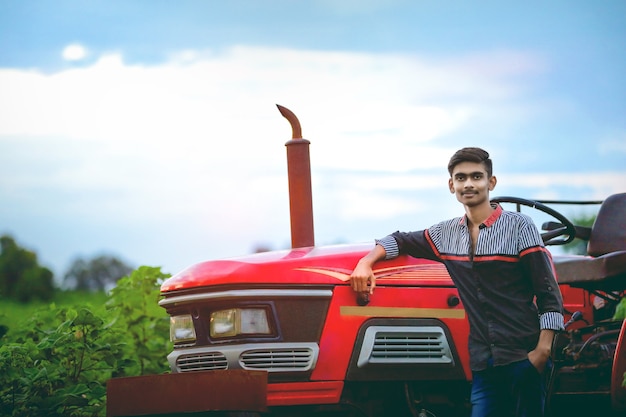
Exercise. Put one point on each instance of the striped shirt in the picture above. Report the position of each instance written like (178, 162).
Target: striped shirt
(507, 286)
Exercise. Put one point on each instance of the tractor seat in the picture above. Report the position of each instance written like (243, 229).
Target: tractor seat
(605, 266)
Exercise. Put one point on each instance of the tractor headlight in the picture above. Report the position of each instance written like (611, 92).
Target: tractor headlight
(237, 321)
(181, 329)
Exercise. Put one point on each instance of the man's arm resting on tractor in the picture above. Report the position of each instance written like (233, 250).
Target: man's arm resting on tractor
(363, 275)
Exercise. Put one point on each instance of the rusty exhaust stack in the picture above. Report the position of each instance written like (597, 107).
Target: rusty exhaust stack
(299, 174)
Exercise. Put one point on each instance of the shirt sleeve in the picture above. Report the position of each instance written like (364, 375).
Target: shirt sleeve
(551, 320)
(416, 244)
(538, 263)
(390, 245)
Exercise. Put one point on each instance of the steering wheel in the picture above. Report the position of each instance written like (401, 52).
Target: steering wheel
(551, 237)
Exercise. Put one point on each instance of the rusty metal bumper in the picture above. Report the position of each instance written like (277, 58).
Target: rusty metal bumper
(224, 390)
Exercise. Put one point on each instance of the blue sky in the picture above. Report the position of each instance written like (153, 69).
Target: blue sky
(148, 129)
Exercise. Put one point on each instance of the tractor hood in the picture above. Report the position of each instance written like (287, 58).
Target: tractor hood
(328, 265)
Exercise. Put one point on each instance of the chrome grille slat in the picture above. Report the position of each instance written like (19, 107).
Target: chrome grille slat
(407, 346)
(277, 359)
(202, 362)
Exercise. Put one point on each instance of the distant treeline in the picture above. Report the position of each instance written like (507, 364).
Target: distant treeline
(22, 278)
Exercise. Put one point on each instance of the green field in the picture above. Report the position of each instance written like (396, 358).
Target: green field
(14, 314)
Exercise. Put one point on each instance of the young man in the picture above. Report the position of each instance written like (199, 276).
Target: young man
(506, 282)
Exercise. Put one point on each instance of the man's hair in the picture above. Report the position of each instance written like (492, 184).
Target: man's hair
(477, 155)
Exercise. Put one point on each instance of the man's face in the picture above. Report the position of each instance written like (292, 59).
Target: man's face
(470, 183)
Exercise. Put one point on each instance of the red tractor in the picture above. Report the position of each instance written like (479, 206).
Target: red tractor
(283, 334)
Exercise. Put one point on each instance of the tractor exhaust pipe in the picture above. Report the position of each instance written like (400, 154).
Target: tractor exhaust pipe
(299, 175)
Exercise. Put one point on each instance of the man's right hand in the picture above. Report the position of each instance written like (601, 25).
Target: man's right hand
(362, 278)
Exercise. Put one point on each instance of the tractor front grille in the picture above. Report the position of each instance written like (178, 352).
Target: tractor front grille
(277, 360)
(208, 361)
(404, 345)
(271, 357)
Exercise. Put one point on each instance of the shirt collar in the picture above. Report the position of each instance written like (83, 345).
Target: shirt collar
(495, 215)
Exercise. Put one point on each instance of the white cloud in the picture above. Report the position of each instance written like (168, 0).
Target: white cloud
(75, 52)
(208, 109)
(198, 141)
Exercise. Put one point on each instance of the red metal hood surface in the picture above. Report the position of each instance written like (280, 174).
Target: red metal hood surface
(327, 265)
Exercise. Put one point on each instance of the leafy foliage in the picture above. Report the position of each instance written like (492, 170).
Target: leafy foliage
(133, 303)
(620, 310)
(57, 363)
